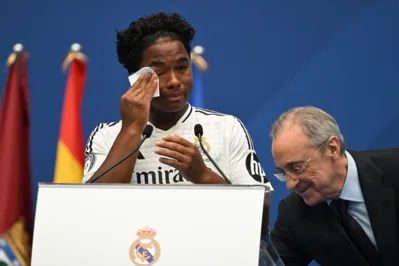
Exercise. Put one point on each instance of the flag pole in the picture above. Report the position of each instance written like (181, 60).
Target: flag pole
(199, 65)
(197, 59)
(74, 53)
(17, 49)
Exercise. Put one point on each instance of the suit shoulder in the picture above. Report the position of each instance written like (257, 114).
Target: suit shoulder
(382, 153)
(385, 160)
(293, 199)
(291, 205)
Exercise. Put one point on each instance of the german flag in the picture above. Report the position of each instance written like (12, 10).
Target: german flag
(70, 150)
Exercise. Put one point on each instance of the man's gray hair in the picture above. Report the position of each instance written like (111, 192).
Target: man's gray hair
(315, 123)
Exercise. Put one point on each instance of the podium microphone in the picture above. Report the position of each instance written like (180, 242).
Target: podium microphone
(146, 134)
(198, 131)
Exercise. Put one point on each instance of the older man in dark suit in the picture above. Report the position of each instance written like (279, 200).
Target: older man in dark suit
(345, 205)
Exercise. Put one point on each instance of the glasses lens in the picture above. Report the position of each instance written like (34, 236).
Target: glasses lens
(280, 176)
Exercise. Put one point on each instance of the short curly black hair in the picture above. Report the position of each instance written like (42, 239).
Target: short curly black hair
(145, 31)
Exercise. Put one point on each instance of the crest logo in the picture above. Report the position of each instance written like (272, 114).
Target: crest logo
(89, 162)
(145, 250)
(254, 168)
(204, 143)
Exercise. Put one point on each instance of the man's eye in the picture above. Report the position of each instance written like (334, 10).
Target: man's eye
(296, 170)
(181, 67)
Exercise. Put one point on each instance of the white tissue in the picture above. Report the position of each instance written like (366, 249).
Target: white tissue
(133, 78)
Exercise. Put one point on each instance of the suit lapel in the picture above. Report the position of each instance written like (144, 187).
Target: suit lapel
(320, 232)
(380, 204)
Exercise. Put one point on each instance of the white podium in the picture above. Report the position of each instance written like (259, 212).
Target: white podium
(167, 225)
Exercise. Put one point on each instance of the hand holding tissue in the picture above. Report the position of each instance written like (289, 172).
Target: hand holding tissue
(133, 78)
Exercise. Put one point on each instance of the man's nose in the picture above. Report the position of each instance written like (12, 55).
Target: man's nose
(173, 81)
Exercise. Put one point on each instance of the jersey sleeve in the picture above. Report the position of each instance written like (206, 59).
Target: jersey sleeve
(97, 148)
(244, 163)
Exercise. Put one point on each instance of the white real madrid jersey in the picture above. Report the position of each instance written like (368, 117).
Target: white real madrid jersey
(225, 138)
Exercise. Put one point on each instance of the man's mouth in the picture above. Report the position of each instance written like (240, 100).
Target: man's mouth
(174, 97)
(302, 187)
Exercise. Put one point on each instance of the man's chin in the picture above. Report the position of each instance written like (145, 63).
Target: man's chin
(312, 200)
(170, 107)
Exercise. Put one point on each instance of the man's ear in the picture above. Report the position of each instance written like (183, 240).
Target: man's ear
(334, 147)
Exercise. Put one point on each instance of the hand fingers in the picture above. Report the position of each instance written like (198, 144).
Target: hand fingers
(151, 87)
(179, 140)
(171, 145)
(171, 154)
(135, 87)
(171, 162)
(139, 88)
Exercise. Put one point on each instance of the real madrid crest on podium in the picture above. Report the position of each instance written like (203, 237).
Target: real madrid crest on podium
(145, 250)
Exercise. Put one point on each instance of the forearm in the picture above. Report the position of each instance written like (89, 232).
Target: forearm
(125, 142)
(210, 177)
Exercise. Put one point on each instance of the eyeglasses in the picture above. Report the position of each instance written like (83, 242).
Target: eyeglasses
(294, 171)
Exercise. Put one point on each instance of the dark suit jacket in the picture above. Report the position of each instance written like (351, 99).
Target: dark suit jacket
(303, 233)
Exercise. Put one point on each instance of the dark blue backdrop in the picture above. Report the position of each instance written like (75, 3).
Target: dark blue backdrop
(264, 56)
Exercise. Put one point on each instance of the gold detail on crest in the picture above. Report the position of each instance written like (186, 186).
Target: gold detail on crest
(145, 250)
(204, 143)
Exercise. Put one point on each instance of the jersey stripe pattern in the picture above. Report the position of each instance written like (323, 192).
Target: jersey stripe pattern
(225, 138)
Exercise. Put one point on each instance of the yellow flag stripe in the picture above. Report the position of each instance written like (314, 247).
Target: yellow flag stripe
(67, 168)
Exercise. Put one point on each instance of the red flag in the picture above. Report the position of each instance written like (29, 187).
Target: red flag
(16, 222)
(70, 155)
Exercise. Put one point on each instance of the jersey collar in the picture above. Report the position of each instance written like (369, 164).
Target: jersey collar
(182, 119)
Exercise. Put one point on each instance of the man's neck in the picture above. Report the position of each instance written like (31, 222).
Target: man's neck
(342, 173)
(340, 176)
(165, 120)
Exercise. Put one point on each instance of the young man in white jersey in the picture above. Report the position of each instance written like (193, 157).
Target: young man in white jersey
(171, 155)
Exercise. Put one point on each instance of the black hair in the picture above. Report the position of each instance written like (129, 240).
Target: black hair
(145, 31)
